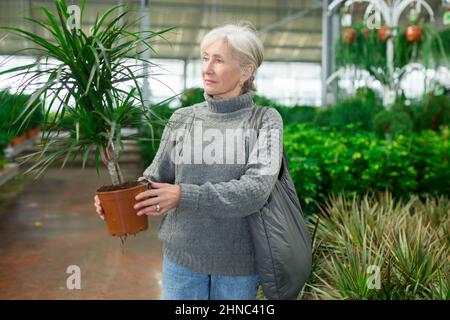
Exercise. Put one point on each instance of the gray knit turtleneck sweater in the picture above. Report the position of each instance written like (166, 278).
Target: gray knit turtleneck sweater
(208, 231)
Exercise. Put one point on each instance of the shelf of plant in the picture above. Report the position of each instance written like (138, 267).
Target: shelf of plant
(9, 172)
(11, 152)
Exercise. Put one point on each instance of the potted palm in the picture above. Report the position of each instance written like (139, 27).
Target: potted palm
(85, 80)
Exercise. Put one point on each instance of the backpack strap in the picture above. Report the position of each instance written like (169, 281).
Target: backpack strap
(255, 122)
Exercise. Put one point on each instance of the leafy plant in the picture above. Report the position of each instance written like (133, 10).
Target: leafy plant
(90, 68)
(11, 106)
(392, 122)
(432, 113)
(150, 136)
(375, 247)
(430, 50)
(359, 110)
(191, 96)
(323, 161)
(4, 140)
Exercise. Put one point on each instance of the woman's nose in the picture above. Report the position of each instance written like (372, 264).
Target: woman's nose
(207, 67)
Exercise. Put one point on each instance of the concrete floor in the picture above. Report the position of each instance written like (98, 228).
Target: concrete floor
(52, 225)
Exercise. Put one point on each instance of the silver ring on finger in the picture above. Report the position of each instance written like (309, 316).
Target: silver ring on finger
(158, 208)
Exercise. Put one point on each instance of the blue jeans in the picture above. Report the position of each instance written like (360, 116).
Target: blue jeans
(180, 283)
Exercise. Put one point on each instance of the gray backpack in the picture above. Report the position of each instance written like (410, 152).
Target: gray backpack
(280, 237)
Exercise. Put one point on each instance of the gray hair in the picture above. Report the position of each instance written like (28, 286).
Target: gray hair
(247, 48)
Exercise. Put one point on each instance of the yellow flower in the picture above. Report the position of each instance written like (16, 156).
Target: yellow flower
(356, 155)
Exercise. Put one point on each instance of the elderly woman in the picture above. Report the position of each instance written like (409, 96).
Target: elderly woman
(207, 247)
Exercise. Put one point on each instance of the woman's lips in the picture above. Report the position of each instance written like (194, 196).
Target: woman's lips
(209, 82)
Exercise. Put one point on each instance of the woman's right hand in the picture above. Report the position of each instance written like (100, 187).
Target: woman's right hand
(98, 207)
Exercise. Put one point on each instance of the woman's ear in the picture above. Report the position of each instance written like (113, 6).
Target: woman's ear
(248, 72)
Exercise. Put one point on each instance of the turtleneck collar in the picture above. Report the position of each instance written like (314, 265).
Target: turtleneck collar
(229, 105)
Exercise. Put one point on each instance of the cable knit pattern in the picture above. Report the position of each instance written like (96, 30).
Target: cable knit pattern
(208, 231)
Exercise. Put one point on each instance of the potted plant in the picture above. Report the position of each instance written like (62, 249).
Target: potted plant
(89, 68)
(348, 35)
(413, 33)
(383, 33)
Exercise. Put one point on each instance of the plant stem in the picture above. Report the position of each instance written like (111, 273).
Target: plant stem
(113, 168)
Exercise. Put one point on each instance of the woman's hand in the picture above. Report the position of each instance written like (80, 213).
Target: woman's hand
(165, 194)
(98, 207)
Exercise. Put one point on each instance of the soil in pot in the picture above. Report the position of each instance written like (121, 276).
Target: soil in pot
(117, 203)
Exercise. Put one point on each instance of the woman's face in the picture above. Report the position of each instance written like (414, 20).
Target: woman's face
(221, 73)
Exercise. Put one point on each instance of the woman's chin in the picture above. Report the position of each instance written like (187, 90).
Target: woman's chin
(210, 92)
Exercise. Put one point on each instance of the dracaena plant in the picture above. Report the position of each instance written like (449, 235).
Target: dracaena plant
(84, 76)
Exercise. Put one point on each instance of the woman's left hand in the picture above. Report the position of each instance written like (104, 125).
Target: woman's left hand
(165, 194)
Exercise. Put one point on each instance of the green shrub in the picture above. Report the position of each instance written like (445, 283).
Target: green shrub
(359, 110)
(323, 161)
(432, 113)
(430, 155)
(297, 114)
(11, 106)
(392, 122)
(5, 138)
(264, 101)
(191, 97)
(151, 135)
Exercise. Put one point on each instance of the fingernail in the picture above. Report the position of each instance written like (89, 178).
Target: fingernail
(139, 213)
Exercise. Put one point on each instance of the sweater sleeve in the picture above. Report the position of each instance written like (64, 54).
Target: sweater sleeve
(248, 194)
(162, 168)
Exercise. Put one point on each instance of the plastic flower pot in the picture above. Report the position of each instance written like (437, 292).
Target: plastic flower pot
(120, 216)
(413, 33)
(383, 33)
(348, 35)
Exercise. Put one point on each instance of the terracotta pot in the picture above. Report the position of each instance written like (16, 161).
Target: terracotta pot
(19, 140)
(32, 133)
(120, 216)
(36, 132)
(348, 35)
(413, 33)
(383, 33)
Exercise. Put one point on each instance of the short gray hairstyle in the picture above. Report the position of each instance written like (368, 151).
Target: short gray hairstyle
(247, 48)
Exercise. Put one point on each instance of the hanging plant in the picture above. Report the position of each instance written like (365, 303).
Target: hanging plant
(383, 33)
(348, 35)
(413, 33)
(429, 50)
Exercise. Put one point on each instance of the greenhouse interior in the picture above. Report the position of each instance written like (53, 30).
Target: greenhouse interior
(359, 88)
